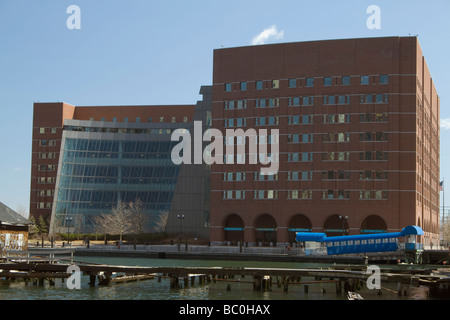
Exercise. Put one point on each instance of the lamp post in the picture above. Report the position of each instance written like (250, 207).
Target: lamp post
(344, 219)
(181, 218)
(68, 219)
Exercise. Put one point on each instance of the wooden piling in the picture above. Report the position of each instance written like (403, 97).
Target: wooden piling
(173, 281)
(257, 283)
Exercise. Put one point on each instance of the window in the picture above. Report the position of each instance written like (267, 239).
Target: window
(138, 119)
(243, 86)
(265, 194)
(161, 119)
(299, 194)
(327, 81)
(174, 119)
(294, 101)
(310, 82)
(329, 100)
(185, 119)
(275, 84)
(344, 99)
(307, 156)
(125, 119)
(149, 119)
(384, 79)
(364, 80)
(292, 83)
(227, 87)
(346, 80)
(259, 85)
(308, 101)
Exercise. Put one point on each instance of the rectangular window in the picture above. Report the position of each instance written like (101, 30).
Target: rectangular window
(344, 99)
(292, 83)
(295, 101)
(41, 130)
(308, 101)
(364, 80)
(227, 87)
(275, 84)
(306, 156)
(259, 85)
(310, 82)
(329, 100)
(327, 81)
(346, 80)
(384, 79)
(244, 86)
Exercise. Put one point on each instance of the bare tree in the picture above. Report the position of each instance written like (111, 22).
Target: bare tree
(161, 221)
(139, 220)
(117, 222)
(446, 232)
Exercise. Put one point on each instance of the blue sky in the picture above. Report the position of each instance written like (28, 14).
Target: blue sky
(161, 52)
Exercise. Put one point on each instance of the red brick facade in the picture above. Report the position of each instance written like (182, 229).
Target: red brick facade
(359, 139)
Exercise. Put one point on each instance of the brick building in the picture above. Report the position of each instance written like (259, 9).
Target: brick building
(358, 124)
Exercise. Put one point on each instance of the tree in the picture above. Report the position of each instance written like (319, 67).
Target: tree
(446, 232)
(139, 220)
(161, 221)
(118, 222)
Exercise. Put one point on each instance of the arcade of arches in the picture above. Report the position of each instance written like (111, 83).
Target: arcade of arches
(265, 230)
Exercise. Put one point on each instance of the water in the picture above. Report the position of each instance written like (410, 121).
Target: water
(154, 290)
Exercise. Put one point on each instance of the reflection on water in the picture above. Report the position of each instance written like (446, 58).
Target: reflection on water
(239, 289)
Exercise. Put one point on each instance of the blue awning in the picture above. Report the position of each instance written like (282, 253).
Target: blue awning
(310, 236)
(412, 230)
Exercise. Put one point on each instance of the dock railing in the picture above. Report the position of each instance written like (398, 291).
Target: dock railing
(40, 256)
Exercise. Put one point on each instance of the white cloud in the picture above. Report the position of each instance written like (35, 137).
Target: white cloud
(445, 124)
(268, 34)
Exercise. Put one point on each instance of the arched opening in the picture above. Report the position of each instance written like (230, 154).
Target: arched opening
(298, 223)
(234, 229)
(336, 225)
(266, 230)
(373, 224)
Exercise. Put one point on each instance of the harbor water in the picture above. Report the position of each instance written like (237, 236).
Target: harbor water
(240, 288)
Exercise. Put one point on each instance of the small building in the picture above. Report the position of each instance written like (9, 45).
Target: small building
(13, 230)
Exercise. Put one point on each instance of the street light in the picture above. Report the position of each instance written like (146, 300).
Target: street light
(344, 219)
(181, 218)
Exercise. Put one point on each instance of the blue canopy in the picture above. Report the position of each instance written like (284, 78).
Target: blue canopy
(412, 230)
(310, 236)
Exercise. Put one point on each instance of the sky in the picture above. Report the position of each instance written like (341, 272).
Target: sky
(142, 52)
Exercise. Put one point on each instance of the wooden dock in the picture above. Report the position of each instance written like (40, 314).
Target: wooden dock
(345, 278)
(40, 265)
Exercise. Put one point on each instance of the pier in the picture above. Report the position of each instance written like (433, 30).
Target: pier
(344, 277)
